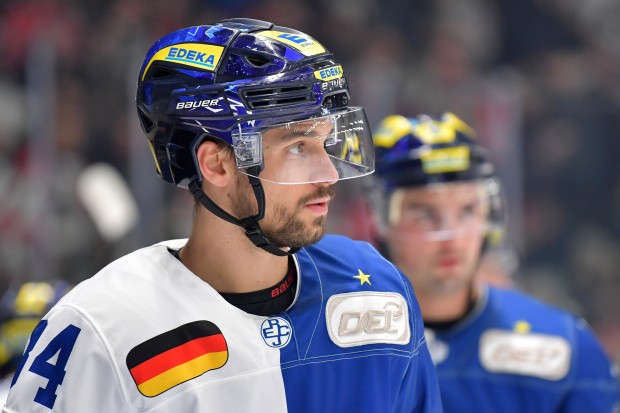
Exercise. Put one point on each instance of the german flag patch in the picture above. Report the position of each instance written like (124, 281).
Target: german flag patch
(176, 356)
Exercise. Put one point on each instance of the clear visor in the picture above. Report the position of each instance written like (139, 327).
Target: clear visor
(441, 212)
(325, 149)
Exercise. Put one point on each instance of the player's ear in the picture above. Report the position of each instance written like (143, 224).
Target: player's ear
(215, 162)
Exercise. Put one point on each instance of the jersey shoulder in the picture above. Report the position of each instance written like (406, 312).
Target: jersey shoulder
(561, 343)
(126, 275)
(354, 278)
(147, 284)
(528, 316)
(513, 303)
(352, 264)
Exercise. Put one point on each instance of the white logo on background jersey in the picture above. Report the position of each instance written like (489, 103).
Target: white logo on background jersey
(538, 355)
(355, 319)
(438, 349)
(276, 332)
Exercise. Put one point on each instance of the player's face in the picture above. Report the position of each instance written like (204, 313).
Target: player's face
(295, 214)
(436, 234)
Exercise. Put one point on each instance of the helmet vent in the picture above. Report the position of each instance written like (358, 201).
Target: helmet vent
(162, 73)
(278, 97)
(147, 123)
(257, 60)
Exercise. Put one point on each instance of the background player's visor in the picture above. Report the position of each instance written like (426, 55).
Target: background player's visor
(441, 212)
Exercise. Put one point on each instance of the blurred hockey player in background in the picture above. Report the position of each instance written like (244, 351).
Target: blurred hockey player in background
(496, 349)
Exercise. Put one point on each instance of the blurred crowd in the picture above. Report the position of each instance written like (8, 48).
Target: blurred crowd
(538, 80)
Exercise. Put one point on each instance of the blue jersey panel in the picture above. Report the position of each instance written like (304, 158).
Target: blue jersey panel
(364, 362)
(517, 354)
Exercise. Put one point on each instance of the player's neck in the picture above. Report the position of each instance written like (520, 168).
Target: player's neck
(443, 307)
(220, 254)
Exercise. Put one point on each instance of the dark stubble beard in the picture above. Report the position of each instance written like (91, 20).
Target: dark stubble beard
(282, 227)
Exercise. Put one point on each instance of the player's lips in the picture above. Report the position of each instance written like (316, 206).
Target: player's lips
(448, 262)
(318, 206)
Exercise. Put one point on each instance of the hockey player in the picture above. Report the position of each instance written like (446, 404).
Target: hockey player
(256, 311)
(496, 350)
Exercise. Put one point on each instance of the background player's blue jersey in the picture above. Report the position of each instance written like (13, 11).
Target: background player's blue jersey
(514, 353)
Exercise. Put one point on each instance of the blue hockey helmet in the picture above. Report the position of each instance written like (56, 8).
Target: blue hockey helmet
(235, 79)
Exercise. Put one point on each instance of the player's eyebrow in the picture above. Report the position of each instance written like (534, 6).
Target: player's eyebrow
(418, 204)
(312, 133)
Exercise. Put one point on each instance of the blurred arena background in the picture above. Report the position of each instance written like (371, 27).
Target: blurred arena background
(538, 79)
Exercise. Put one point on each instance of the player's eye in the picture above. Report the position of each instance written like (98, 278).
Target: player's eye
(296, 149)
(419, 215)
(469, 211)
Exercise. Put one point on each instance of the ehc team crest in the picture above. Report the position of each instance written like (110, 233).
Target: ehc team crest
(276, 332)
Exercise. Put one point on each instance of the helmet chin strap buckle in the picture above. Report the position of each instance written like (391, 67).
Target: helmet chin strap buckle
(254, 233)
(256, 236)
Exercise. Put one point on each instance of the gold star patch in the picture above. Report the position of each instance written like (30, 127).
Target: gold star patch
(364, 278)
(522, 327)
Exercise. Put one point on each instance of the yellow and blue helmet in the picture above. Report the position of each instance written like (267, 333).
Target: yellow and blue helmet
(21, 308)
(426, 150)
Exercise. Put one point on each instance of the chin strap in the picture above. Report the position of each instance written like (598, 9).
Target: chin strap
(249, 224)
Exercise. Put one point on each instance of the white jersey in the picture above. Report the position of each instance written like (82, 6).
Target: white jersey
(147, 335)
(5, 385)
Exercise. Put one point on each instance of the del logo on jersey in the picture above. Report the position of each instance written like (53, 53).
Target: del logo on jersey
(355, 319)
